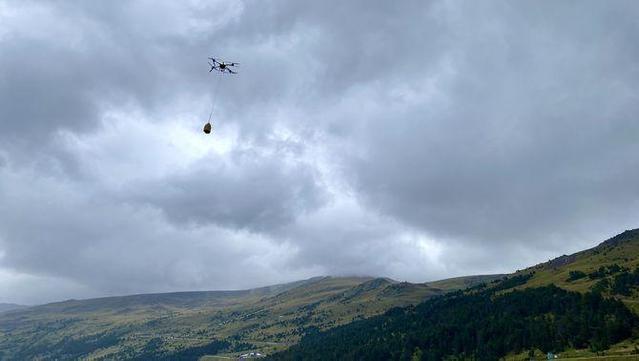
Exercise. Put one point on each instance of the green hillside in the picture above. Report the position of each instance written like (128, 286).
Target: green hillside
(459, 283)
(476, 325)
(582, 305)
(186, 324)
(10, 306)
(610, 263)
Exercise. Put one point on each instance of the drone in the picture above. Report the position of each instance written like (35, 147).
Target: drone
(222, 66)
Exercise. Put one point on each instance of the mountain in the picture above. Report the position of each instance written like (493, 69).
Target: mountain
(489, 316)
(459, 283)
(477, 325)
(580, 305)
(10, 306)
(185, 325)
(621, 250)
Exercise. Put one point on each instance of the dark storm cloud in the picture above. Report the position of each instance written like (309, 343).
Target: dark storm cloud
(538, 131)
(415, 139)
(65, 233)
(253, 191)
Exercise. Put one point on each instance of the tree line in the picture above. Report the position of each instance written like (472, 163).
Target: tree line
(477, 325)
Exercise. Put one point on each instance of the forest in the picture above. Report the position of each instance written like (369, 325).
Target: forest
(482, 324)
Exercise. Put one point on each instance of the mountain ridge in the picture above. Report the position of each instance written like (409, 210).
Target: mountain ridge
(271, 318)
(5, 307)
(584, 305)
(156, 326)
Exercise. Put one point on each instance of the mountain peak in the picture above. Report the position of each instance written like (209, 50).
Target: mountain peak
(10, 307)
(628, 235)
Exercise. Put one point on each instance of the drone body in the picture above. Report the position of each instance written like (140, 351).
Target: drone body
(222, 66)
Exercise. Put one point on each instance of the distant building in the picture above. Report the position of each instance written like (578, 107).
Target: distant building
(250, 355)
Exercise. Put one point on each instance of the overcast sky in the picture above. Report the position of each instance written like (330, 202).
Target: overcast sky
(416, 140)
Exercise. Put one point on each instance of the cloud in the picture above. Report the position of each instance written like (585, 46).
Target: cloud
(519, 141)
(415, 140)
(52, 228)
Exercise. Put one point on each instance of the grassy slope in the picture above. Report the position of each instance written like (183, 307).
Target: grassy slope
(622, 351)
(268, 318)
(273, 317)
(10, 307)
(459, 283)
(622, 250)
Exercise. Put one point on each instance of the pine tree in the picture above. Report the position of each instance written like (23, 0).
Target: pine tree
(417, 355)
